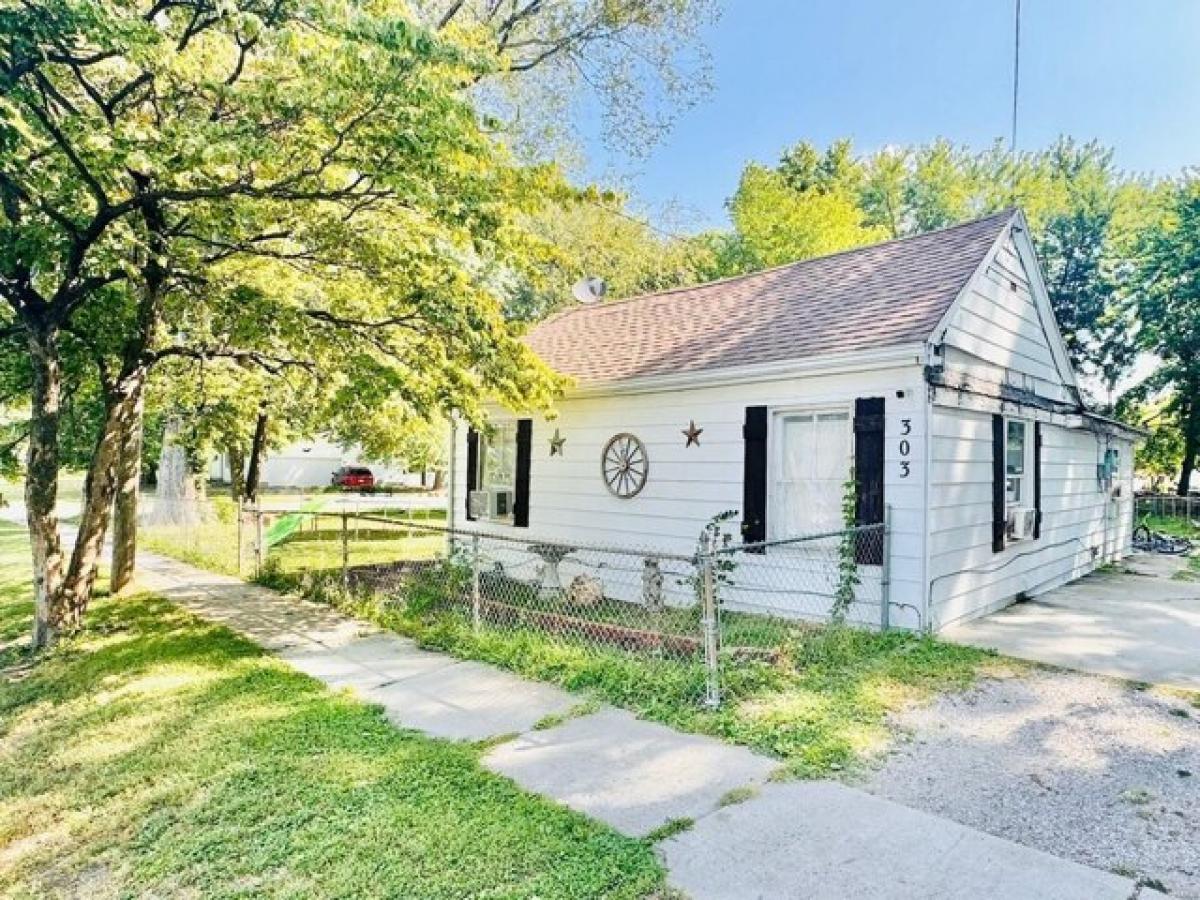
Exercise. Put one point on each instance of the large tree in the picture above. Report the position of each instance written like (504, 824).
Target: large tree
(1169, 313)
(637, 63)
(288, 185)
(808, 206)
(642, 61)
(594, 236)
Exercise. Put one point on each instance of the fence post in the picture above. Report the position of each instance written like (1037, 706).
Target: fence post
(260, 548)
(345, 551)
(476, 619)
(885, 583)
(240, 513)
(708, 597)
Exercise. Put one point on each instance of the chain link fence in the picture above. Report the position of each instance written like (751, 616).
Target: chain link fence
(694, 616)
(320, 533)
(213, 533)
(1169, 506)
(697, 614)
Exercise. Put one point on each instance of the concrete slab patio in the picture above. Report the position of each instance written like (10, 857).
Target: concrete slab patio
(811, 840)
(1138, 623)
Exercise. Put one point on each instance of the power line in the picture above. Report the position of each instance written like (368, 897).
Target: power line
(632, 218)
(1016, 75)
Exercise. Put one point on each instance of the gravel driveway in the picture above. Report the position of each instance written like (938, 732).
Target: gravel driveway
(1083, 767)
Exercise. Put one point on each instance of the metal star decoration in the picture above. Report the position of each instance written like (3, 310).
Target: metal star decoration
(556, 444)
(692, 433)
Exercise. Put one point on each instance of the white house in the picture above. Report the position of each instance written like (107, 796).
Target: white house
(311, 464)
(932, 364)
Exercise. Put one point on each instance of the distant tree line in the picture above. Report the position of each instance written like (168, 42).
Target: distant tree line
(1121, 254)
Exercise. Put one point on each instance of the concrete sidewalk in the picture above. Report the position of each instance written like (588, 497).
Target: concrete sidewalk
(803, 839)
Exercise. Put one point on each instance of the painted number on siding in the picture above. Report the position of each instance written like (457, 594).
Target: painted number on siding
(905, 448)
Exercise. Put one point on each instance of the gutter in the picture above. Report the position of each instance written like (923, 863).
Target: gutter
(935, 376)
(856, 361)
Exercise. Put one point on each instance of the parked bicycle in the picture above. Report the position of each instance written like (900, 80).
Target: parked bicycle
(1145, 538)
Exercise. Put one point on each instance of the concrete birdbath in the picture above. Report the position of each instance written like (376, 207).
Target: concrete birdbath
(551, 587)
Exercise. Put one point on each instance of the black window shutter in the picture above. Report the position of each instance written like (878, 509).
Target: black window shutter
(472, 467)
(999, 519)
(521, 501)
(868, 477)
(1037, 480)
(754, 476)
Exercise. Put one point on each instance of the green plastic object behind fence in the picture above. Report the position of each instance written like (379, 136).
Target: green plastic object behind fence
(286, 526)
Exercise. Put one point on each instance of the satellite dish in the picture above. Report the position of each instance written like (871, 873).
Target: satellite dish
(589, 290)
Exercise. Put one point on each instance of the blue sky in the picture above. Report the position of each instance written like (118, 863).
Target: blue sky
(1126, 72)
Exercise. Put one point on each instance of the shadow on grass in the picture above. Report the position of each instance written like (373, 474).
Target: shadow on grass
(173, 757)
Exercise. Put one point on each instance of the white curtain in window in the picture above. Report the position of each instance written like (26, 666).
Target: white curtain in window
(499, 459)
(814, 463)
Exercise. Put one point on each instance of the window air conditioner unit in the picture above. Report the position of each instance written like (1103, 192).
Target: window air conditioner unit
(1021, 522)
(500, 504)
(491, 504)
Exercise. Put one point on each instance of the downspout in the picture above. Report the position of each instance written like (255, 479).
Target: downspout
(926, 564)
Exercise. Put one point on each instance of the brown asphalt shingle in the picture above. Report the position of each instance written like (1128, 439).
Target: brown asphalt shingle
(873, 297)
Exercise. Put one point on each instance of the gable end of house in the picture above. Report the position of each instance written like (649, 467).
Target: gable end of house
(1000, 338)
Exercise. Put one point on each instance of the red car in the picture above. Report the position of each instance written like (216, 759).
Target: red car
(353, 478)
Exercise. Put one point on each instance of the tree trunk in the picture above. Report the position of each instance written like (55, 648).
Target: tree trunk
(125, 509)
(439, 479)
(237, 470)
(41, 487)
(1191, 441)
(177, 500)
(99, 490)
(258, 449)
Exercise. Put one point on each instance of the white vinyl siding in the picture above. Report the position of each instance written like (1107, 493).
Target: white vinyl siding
(996, 341)
(687, 486)
(1082, 527)
(996, 333)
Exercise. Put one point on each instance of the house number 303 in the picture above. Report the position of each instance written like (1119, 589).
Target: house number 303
(905, 448)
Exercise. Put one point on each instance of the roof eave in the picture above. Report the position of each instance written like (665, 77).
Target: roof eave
(905, 353)
(1132, 432)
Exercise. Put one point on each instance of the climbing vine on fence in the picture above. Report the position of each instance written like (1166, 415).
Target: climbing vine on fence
(713, 536)
(848, 578)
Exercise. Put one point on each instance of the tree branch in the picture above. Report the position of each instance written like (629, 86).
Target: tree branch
(274, 365)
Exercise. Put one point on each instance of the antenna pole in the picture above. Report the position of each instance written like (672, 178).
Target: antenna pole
(1016, 75)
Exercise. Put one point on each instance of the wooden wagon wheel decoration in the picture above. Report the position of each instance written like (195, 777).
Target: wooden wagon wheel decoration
(624, 465)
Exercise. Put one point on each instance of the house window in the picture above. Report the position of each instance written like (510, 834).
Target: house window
(1016, 463)
(497, 475)
(813, 452)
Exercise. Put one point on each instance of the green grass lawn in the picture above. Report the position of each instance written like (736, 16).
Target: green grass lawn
(316, 547)
(1173, 525)
(70, 487)
(155, 755)
(820, 704)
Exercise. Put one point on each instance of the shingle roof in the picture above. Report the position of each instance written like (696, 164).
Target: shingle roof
(873, 297)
